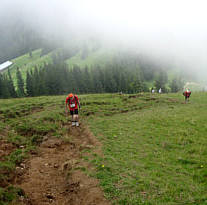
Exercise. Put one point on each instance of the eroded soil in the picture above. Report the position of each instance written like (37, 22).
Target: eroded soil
(5, 149)
(54, 176)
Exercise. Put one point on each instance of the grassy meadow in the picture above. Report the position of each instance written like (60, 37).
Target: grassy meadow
(156, 153)
(25, 63)
(154, 147)
(98, 57)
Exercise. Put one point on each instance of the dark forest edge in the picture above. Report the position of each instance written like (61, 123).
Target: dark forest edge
(56, 79)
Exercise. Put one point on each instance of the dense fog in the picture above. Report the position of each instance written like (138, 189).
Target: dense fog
(173, 31)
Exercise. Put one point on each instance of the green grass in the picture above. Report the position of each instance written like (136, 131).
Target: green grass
(25, 63)
(154, 146)
(155, 155)
(23, 123)
(100, 57)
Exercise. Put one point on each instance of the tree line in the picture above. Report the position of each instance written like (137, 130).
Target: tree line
(57, 79)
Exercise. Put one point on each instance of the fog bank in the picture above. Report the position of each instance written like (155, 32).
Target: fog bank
(170, 30)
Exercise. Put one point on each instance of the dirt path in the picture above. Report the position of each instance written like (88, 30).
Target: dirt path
(51, 178)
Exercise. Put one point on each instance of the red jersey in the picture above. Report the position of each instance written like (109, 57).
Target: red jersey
(187, 93)
(72, 103)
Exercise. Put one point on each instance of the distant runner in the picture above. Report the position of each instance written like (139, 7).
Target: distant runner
(160, 90)
(187, 94)
(72, 103)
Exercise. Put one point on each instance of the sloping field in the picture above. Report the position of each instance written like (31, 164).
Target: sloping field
(155, 155)
(37, 145)
(129, 149)
(99, 57)
(25, 62)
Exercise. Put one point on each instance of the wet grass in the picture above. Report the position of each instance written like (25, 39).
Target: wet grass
(155, 154)
(23, 124)
(154, 146)
(25, 63)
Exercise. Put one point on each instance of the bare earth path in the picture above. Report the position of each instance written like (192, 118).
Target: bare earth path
(51, 177)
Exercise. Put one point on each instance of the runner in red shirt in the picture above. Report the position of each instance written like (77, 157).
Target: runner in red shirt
(72, 103)
(187, 94)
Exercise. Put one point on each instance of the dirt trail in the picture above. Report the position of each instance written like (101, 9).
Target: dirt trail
(51, 177)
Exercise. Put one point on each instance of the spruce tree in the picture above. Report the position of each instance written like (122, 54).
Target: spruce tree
(176, 84)
(137, 85)
(4, 87)
(1, 86)
(71, 83)
(30, 54)
(97, 82)
(35, 82)
(20, 84)
(11, 86)
(122, 83)
(42, 87)
(161, 81)
(109, 81)
(87, 80)
(29, 85)
(77, 75)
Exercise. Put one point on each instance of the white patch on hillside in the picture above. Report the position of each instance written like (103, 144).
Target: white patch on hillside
(5, 65)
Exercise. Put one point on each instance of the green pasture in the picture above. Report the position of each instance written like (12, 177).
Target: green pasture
(94, 58)
(156, 154)
(154, 147)
(26, 63)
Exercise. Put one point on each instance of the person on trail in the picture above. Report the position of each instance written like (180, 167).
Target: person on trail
(187, 94)
(152, 90)
(72, 103)
(160, 90)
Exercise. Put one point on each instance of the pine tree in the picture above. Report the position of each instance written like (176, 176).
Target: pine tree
(161, 81)
(29, 85)
(109, 81)
(1, 86)
(176, 85)
(11, 86)
(42, 86)
(4, 87)
(97, 80)
(35, 82)
(71, 82)
(87, 81)
(77, 75)
(20, 84)
(137, 86)
(123, 86)
(30, 54)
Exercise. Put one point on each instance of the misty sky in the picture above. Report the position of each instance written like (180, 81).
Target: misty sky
(174, 29)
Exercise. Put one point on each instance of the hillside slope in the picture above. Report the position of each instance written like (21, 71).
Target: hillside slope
(99, 57)
(145, 149)
(25, 63)
(93, 57)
